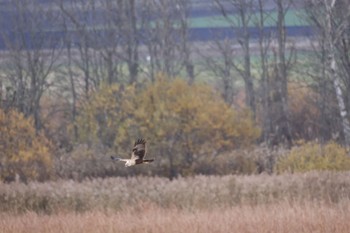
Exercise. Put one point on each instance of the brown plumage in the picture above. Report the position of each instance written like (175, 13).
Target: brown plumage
(137, 155)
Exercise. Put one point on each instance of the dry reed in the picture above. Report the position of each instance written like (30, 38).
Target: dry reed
(281, 217)
(192, 193)
(311, 202)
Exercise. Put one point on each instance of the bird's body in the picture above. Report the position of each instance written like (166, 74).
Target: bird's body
(137, 155)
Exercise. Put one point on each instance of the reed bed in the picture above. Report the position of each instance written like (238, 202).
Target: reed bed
(279, 218)
(192, 193)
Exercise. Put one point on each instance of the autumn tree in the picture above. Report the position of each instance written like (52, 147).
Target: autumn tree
(108, 117)
(182, 122)
(23, 151)
(190, 121)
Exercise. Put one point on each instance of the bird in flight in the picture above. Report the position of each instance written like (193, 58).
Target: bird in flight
(137, 155)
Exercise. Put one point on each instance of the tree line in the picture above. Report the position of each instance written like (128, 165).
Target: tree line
(291, 94)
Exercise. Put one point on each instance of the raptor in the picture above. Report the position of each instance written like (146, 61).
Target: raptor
(137, 155)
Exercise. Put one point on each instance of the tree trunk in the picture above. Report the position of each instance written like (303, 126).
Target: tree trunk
(265, 85)
(282, 129)
(249, 86)
(132, 43)
(331, 37)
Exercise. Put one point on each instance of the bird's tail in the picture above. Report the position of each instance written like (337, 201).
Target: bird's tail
(148, 160)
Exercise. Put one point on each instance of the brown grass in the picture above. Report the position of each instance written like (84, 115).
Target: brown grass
(310, 202)
(192, 193)
(282, 217)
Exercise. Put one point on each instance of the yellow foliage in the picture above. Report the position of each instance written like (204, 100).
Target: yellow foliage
(107, 115)
(195, 115)
(23, 151)
(190, 121)
(186, 121)
(313, 156)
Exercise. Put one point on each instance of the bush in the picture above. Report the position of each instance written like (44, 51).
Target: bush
(86, 162)
(313, 156)
(246, 161)
(23, 151)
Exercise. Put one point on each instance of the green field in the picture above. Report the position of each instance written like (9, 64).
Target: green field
(292, 18)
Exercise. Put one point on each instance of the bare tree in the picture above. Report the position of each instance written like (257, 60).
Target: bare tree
(106, 37)
(274, 65)
(183, 7)
(264, 47)
(281, 132)
(240, 23)
(332, 20)
(131, 38)
(32, 56)
(81, 40)
(69, 77)
(223, 68)
(164, 26)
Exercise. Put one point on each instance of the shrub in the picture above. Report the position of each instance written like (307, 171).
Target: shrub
(86, 162)
(246, 161)
(235, 162)
(23, 151)
(314, 156)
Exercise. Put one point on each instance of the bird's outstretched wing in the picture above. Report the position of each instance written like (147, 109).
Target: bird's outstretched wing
(116, 158)
(139, 150)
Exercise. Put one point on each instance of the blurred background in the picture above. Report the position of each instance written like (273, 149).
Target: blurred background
(215, 87)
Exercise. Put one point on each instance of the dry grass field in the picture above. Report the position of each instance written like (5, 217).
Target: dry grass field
(282, 217)
(311, 202)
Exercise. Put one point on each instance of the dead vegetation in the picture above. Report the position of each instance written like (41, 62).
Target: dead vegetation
(309, 202)
(280, 217)
(190, 193)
